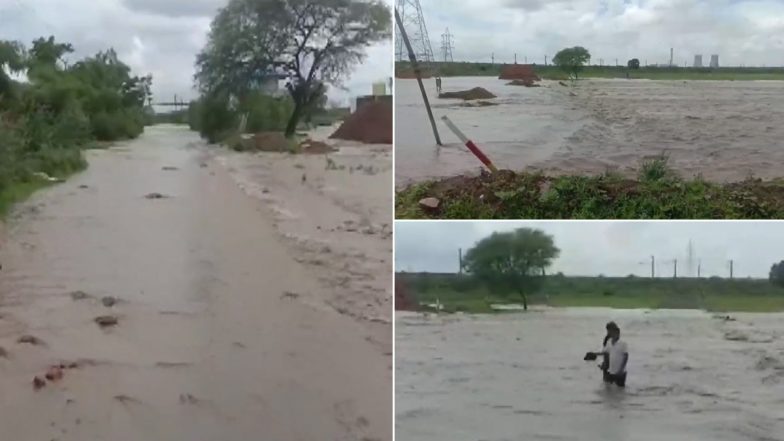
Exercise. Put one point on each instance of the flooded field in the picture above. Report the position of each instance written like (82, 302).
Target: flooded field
(724, 130)
(522, 376)
(226, 328)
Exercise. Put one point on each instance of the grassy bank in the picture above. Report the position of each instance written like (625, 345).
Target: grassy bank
(460, 69)
(60, 109)
(460, 293)
(657, 193)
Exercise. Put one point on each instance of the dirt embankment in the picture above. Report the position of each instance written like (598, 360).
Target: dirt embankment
(477, 93)
(370, 124)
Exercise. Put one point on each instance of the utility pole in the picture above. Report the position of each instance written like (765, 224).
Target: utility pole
(545, 60)
(515, 57)
(460, 260)
(732, 269)
(492, 57)
(653, 267)
(675, 274)
(699, 269)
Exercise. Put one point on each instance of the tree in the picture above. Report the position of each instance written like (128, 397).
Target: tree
(512, 261)
(571, 60)
(634, 63)
(776, 276)
(311, 44)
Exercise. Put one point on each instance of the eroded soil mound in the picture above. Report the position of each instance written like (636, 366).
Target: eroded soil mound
(270, 142)
(477, 93)
(370, 124)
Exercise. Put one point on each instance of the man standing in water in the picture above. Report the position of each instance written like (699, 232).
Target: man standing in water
(616, 355)
(438, 85)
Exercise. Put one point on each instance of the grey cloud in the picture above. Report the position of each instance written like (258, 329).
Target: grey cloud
(187, 8)
(153, 36)
(609, 248)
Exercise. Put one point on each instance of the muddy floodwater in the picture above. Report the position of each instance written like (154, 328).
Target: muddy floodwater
(227, 328)
(522, 376)
(724, 130)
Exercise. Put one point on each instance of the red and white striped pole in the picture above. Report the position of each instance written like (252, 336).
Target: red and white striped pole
(470, 144)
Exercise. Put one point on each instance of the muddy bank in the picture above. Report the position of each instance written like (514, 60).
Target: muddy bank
(522, 376)
(224, 331)
(725, 131)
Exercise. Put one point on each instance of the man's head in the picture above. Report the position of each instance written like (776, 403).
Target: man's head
(613, 331)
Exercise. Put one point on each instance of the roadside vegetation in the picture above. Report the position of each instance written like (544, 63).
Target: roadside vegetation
(656, 193)
(550, 72)
(255, 44)
(52, 108)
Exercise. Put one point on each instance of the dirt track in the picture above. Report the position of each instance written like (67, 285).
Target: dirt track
(228, 329)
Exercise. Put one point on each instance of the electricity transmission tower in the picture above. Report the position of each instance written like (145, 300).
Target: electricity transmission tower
(414, 22)
(447, 46)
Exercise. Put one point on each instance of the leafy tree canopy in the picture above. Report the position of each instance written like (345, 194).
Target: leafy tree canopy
(512, 261)
(572, 60)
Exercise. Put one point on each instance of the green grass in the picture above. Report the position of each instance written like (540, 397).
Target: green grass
(657, 193)
(461, 293)
(651, 73)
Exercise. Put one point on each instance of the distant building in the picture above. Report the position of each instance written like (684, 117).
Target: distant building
(714, 63)
(698, 61)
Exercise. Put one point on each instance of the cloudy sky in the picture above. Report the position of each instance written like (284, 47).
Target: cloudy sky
(161, 37)
(608, 248)
(749, 32)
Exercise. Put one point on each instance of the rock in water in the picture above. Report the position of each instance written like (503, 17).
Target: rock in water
(108, 301)
(106, 320)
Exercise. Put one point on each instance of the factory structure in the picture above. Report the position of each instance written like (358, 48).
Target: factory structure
(714, 61)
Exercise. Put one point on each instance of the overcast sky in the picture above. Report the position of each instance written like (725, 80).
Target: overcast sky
(749, 32)
(161, 37)
(608, 248)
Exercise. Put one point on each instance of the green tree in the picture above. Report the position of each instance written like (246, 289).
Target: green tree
(634, 63)
(572, 60)
(512, 261)
(776, 276)
(312, 44)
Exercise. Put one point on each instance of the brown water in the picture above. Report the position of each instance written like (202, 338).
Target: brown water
(522, 376)
(223, 333)
(724, 130)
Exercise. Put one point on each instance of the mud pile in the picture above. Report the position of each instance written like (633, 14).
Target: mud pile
(267, 142)
(518, 72)
(477, 93)
(371, 124)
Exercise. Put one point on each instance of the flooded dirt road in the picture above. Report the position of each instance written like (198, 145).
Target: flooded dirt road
(724, 130)
(522, 376)
(225, 330)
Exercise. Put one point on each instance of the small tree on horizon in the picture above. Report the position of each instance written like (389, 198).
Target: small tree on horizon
(634, 64)
(776, 275)
(512, 261)
(572, 60)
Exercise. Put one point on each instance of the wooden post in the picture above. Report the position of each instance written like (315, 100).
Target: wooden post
(418, 75)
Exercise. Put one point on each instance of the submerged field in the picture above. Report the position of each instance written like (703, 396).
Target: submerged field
(711, 132)
(522, 376)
